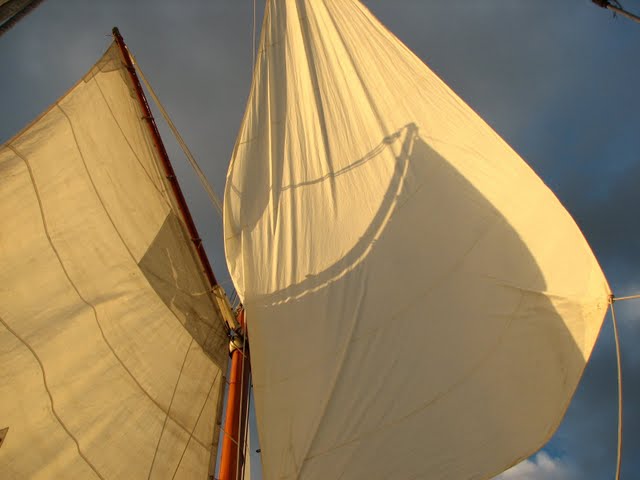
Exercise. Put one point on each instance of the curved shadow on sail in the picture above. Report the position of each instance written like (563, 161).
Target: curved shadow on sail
(406, 137)
(174, 274)
(434, 333)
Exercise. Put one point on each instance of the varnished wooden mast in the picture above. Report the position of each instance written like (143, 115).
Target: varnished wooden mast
(232, 458)
(237, 394)
(166, 163)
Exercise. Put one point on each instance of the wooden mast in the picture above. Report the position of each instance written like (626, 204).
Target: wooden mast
(232, 458)
(240, 370)
(166, 163)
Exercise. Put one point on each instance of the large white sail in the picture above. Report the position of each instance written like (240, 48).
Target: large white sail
(419, 303)
(112, 348)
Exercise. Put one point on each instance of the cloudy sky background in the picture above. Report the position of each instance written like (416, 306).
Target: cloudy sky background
(558, 80)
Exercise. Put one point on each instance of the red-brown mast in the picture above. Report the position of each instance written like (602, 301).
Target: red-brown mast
(232, 458)
(166, 163)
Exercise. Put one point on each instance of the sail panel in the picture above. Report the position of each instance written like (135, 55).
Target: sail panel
(419, 303)
(115, 344)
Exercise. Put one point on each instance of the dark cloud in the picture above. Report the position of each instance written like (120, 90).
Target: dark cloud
(558, 80)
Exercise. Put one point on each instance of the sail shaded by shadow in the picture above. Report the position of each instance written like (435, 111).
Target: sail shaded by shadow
(168, 264)
(435, 337)
(419, 304)
(101, 373)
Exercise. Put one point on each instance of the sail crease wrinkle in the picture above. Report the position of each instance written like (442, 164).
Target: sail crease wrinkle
(163, 195)
(438, 398)
(448, 371)
(343, 355)
(166, 417)
(162, 192)
(91, 306)
(318, 102)
(186, 446)
(363, 86)
(49, 394)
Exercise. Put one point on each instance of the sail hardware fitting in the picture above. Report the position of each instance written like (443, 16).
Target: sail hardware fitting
(236, 340)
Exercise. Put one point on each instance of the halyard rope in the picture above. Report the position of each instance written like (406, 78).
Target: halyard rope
(215, 201)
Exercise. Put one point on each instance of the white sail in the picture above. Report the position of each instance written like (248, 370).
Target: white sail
(112, 349)
(419, 303)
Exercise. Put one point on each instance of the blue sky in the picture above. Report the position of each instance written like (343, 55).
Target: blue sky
(558, 80)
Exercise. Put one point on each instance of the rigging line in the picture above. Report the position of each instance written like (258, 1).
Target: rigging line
(195, 425)
(228, 434)
(630, 297)
(215, 200)
(253, 39)
(166, 417)
(619, 363)
(246, 431)
(242, 382)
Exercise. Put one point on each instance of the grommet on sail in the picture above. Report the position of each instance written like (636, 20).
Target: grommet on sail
(419, 303)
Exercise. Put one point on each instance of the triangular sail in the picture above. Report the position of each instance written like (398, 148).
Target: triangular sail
(112, 347)
(419, 303)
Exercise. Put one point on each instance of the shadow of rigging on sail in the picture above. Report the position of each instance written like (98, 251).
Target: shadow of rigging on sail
(440, 271)
(169, 267)
(399, 146)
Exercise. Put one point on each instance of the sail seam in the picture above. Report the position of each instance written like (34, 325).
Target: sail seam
(162, 193)
(204, 404)
(166, 417)
(212, 330)
(343, 355)
(46, 387)
(468, 374)
(124, 244)
(75, 288)
(453, 386)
